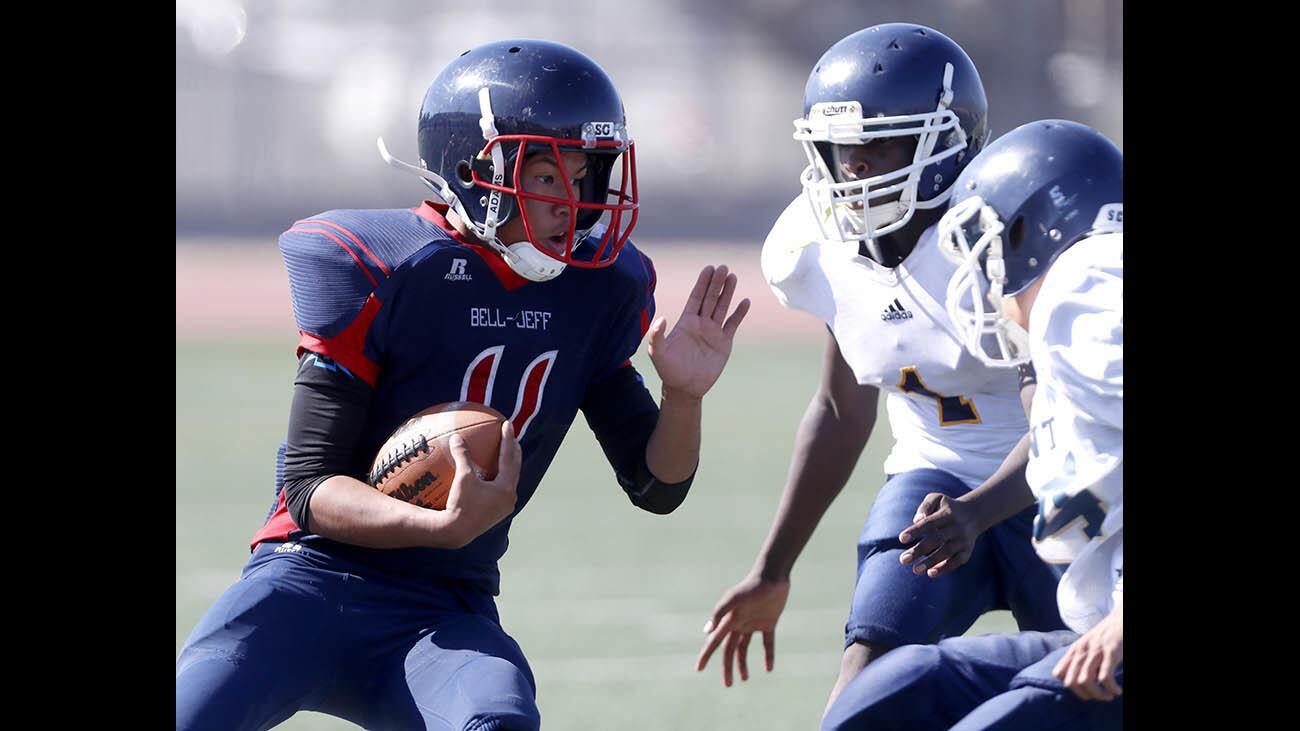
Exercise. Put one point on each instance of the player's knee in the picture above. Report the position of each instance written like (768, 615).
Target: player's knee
(1037, 708)
(888, 693)
(911, 663)
(514, 722)
(210, 694)
(505, 719)
(504, 696)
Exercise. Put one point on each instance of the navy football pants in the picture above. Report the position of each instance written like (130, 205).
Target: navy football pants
(299, 632)
(893, 607)
(972, 684)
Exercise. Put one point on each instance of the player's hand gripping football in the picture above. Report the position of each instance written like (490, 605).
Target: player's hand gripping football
(1088, 667)
(475, 504)
(691, 357)
(753, 605)
(944, 531)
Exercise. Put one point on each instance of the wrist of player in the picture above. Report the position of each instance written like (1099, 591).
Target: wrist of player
(679, 395)
(447, 529)
(769, 570)
(980, 516)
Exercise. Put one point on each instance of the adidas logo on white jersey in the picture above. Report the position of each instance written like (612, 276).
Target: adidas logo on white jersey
(895, 311)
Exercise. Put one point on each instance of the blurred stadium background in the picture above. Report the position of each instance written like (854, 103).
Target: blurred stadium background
(277, 109)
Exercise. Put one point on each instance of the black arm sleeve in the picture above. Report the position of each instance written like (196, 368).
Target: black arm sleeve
(623, 415)
(328, 412)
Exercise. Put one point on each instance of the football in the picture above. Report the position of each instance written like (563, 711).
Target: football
(415, 463)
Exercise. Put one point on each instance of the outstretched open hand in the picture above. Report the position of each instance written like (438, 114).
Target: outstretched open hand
(691, 357)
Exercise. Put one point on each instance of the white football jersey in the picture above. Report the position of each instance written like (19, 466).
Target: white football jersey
(947, 409)
(1076, 458)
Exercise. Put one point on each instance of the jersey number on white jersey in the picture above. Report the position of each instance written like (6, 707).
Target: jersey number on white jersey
(1058, 510)
(952, 409)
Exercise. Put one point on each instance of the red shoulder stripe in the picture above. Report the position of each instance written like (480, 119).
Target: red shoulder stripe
(343, 246)
(354, 238)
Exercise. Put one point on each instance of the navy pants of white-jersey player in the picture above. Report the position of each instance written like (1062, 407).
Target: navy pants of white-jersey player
(972, 684)
(300, 631)
(892, 606)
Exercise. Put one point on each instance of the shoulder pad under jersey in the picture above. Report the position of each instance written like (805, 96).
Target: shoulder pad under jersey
(337, 259)
(791, 261)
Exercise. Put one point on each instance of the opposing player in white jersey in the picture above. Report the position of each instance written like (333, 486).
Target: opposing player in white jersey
(1036, 223)
(892, 114)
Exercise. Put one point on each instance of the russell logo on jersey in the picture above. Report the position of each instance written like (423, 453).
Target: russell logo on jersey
(457, 273)
(896, 311)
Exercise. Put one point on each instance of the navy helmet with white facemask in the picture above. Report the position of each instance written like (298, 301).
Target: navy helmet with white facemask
(889, 81)
(1033, 193)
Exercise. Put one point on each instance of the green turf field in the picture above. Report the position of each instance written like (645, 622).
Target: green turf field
(607, 601)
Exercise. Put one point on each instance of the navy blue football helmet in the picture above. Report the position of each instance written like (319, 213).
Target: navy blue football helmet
(888, 81)
(1033, 193)
(499, 102)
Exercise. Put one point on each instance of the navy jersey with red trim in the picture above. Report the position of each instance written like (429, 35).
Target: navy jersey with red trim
(425, 318)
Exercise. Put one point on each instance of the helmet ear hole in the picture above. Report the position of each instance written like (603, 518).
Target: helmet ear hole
(1016, 235)
(463, 175)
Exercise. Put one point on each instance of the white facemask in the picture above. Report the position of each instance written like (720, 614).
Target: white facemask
(853, 209)
(973, 287)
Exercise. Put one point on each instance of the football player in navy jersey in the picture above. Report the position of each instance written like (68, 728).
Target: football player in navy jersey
(518, 288)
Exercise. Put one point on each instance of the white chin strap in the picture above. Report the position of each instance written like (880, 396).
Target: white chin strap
(522, 257)
(527, 261)
(853, 224)
(988, 335)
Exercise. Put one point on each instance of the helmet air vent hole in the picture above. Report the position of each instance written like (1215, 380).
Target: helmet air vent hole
(880, 69)
(514, 49)
(463, 175)
(894, 45)
(1017, 235)
(919, 31)
(465, 51)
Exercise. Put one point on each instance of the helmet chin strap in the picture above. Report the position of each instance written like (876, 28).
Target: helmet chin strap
(863, 222)
(521, 256)
(527, 261)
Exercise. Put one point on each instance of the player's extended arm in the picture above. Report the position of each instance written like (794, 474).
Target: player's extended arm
(945, 529)
(689, 361)
(325, 420)
(655, 450)
(835, 428)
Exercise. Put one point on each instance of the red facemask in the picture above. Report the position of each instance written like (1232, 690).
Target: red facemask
(615, 235)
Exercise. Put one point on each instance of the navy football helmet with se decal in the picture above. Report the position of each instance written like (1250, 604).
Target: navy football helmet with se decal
(499, 102)
(1033, 193)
